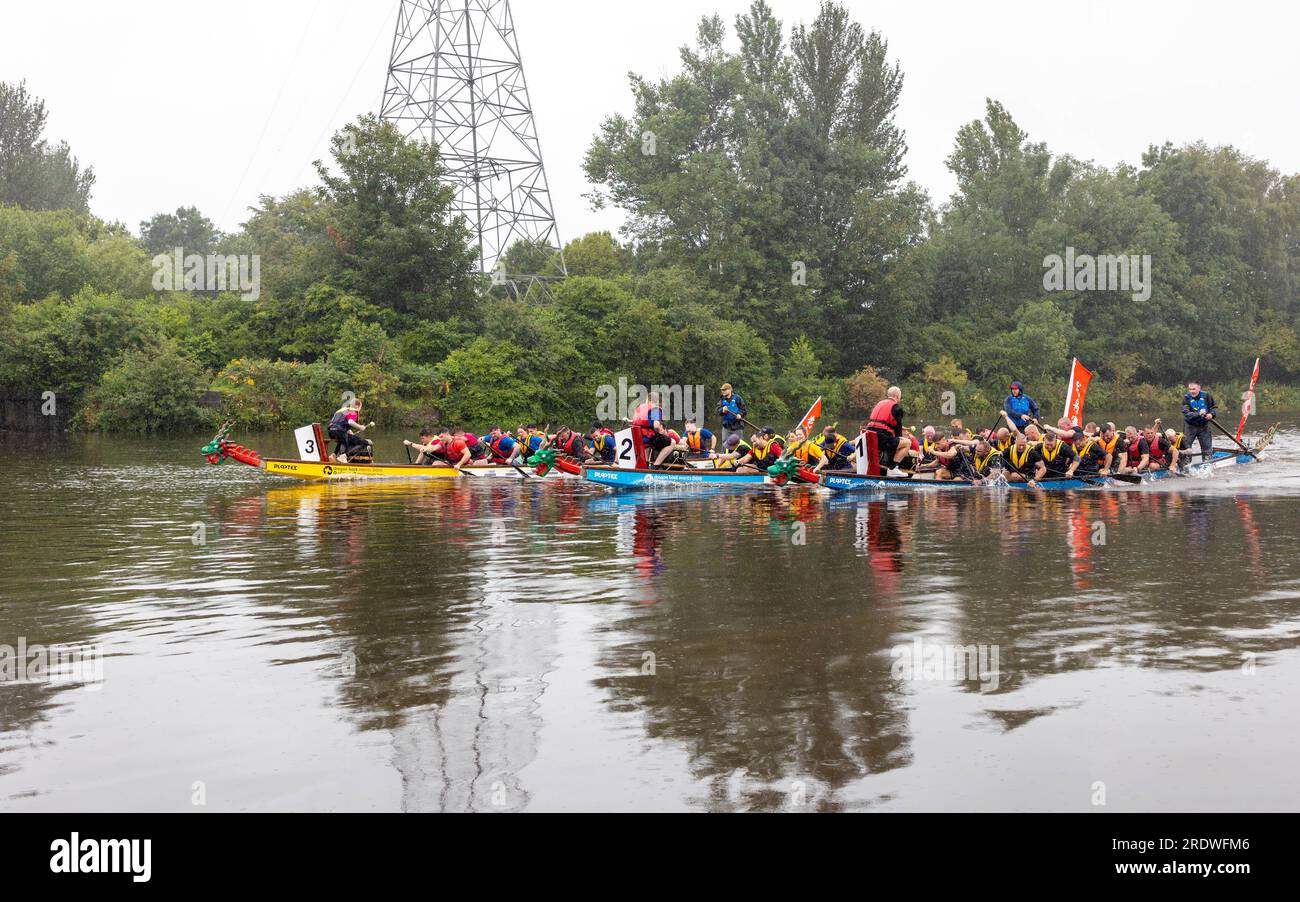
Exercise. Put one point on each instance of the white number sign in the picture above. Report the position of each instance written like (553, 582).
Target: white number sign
(625, 453)
(307, 449)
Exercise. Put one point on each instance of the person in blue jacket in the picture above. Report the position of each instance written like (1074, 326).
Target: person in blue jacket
(733, 410)
(1198, 410)
(1020, 407)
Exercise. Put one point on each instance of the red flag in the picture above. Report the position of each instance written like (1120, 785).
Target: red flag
(806, 424)
(1248, 402)
(1080, 378)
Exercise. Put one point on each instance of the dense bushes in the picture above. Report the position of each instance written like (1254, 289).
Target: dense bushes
(151, 389)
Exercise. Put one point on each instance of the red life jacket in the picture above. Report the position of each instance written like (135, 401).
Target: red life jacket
(455, 450)
(641, 416)
(882, 416)
(1135, 452)
(1158, 454)
(495, 447)
(573, 446)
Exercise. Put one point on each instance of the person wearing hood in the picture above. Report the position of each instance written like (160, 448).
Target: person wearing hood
(1019, 407)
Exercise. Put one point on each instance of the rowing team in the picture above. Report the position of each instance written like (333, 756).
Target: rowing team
(1039, 451)
(665, 447)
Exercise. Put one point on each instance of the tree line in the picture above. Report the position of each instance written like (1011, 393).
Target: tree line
(772, 241)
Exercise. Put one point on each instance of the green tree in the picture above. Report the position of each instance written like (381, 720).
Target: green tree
(392, 224)
(187, 229)
(492, 382)
(33, 174)
(774, 173)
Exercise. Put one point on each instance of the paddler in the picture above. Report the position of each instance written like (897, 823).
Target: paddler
(1054, 458)
(837, 451)
(1019, 408)
(887, 423)
(455, 450)
(1066, 431)
(987, 462)
(1178, 442)
(734, 448)
(502, 449)
(805, 449)
(1134, 452)
(1094, 459)
(698, 442)
(1163, 455)
(571, 444)
(345, 428)
(944, 459)
(530, 440)
(1198, 411)
(478, 449)
(428, 446)
(603, 445)
(1018, 462)
(765, 450)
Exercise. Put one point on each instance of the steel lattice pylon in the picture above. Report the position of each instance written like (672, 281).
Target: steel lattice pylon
(455, 78)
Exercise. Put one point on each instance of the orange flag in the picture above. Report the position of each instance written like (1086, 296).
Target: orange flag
(1080, 378)
(806, 424)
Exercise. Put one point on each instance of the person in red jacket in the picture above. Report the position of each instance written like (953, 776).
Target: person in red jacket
(886, 422)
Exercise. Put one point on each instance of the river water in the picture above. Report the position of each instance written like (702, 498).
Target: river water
(493, 645)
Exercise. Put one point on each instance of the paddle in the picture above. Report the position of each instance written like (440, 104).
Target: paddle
(1215, 424)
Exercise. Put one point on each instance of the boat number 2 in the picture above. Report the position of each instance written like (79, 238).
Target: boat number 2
(625, 449)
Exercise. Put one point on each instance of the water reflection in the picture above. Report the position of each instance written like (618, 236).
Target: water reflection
(735, 646)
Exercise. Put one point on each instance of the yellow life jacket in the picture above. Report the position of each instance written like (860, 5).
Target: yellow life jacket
(1020, 461)
(806, 451)
(766, 453)
(982, 462)
(1051, 455)
(834, 449)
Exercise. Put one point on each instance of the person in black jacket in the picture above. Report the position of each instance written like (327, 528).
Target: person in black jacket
(1198, 410)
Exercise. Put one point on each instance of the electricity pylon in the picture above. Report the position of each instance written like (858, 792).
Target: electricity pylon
(455, 78)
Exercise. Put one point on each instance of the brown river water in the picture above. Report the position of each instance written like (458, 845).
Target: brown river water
(248, 644)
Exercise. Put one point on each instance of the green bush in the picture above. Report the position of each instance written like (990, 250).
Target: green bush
(272, 394)
(148, 390)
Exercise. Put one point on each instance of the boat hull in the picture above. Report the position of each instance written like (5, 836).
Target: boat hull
(314, 471)
(648, 479)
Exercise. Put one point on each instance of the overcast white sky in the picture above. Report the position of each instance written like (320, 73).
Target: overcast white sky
(181, 102)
